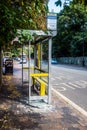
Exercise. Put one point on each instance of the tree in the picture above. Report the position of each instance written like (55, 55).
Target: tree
(71, 32)
(20, 14)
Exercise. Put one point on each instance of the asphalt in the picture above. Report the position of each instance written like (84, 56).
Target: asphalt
(17, 114)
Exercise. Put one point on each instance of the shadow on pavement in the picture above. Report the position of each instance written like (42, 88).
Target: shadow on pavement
(16, 114)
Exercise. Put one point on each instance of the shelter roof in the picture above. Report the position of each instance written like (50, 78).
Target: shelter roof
(39, 35)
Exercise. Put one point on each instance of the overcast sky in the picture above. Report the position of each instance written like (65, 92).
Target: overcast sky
(53, 7)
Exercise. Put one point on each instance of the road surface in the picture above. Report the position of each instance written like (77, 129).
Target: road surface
(71, 82)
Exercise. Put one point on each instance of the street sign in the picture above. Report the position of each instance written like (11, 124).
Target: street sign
(52, 21)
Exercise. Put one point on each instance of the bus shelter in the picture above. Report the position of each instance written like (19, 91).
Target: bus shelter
(38, 67)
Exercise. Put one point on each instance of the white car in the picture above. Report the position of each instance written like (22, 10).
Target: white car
(23, 60)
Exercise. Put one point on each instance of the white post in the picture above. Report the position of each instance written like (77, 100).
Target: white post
(49, 67)
(22, 65)
(29, 70)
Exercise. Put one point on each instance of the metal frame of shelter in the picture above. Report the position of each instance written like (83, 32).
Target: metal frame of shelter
(39, 79)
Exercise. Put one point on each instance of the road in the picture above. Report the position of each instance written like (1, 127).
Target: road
(71, 82)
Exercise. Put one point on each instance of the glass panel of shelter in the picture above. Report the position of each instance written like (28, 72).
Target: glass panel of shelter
(38, 81)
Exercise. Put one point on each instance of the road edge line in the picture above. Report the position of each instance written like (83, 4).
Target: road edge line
(78, 108)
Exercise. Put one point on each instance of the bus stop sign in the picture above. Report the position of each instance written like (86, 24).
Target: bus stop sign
(52, 21)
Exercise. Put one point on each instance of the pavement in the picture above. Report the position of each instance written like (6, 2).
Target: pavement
(16, 114)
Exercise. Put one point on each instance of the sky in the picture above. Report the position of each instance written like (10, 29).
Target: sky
(53, 7)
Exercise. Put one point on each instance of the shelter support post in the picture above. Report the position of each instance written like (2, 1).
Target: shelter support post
(29, 62)
(49, 68)
(22, 65)
(39, 55)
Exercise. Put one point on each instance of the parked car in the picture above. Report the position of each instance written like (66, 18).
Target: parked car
(17, 58)
(6, 56)
(4, 59)
(54, 61)
(23, 60)
(9, 66)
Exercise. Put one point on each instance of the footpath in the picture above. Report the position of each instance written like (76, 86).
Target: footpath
(15, 114)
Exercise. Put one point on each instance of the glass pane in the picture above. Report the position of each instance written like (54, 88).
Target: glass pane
(44, 56)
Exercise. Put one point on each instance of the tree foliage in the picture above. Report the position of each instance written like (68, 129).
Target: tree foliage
(71, 31)
(21, 14)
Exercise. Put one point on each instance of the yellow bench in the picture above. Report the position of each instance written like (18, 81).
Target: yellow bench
(42, 85)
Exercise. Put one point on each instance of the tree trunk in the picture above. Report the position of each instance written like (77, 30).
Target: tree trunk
(0, 67)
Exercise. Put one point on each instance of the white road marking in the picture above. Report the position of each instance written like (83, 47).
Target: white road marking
(85, 82)
(58, 78)
(52, 78)
(68, 86)
(78, 108)
(81, 85)
(76, 86)
(59, 88)
(61, 77)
